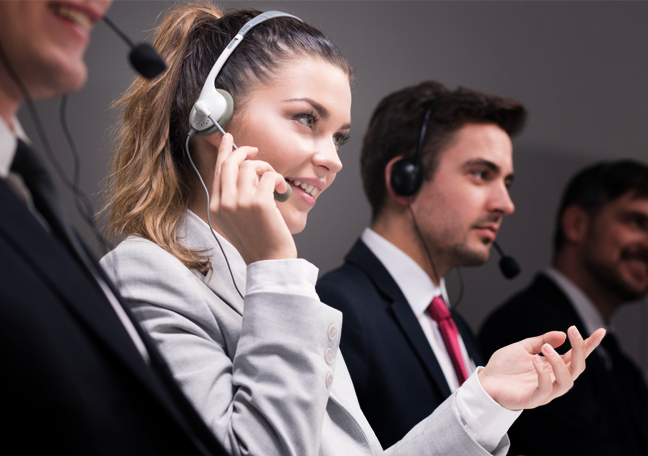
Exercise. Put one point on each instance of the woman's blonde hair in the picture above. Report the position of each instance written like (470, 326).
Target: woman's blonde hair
(149, 186)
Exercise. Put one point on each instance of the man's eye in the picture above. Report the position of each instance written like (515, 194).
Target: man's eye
(639, 221)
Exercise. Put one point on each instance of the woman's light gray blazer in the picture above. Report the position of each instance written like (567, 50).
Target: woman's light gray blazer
(270, 382)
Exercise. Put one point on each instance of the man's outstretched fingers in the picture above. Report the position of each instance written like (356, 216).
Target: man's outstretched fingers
(560, 371)
(545, 385)
(578, 355)
(534, 344)
(593, 341)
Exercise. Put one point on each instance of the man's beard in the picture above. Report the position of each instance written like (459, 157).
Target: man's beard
(462, 255)
(610, 278)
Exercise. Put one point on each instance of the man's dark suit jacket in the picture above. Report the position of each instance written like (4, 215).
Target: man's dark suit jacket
(395, 373)
(605, 413)
(72, 381)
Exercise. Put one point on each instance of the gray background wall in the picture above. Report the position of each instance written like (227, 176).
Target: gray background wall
(580, 67)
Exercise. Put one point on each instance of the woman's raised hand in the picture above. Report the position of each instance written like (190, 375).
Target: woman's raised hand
(242, 202)
(517, 378)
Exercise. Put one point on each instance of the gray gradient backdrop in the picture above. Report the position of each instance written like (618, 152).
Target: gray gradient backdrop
(580, 67)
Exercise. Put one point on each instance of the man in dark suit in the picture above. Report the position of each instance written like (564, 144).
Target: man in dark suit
(398, 340)
(79, 375)
(600, 263)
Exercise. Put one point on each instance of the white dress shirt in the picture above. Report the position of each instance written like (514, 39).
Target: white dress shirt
(419, 290)
(8, 143)
(487, 420)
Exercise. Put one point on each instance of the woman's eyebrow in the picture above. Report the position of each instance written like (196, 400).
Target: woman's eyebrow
(321, 110)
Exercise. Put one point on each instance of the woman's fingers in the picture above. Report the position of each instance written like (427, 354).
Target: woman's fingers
(237, 172)
(250, 172)
(225, 150)
(271, 181)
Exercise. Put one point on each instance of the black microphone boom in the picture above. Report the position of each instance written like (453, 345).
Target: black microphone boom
(507, 264)
(142, 56)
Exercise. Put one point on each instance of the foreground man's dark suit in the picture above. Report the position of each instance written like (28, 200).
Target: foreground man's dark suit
(72, 382)
(605, 413)
(396, 376)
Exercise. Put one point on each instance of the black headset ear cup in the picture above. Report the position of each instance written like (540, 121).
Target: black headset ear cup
(406, 178)
(224, 118)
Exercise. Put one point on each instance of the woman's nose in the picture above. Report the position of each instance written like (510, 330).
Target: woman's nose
(327, 158)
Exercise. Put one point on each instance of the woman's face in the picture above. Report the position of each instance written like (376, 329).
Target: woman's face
(297, 122)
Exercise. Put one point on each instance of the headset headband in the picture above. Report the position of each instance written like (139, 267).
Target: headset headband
(215, 107)
(220, 62)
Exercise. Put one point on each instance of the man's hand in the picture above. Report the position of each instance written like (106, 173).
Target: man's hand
(517, 378)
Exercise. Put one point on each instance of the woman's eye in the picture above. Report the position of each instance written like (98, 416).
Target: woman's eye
(341, 139)
(308, 119)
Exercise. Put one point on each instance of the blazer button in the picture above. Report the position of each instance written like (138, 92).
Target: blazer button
(329, 356)
(332, 332)
(329, 379)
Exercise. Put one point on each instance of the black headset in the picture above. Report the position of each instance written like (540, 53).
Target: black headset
(406, 174)
(406, 178)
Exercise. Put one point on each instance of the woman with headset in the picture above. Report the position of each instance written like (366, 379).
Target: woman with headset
(231, 308)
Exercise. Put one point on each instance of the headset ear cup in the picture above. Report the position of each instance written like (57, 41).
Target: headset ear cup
(229, 108)
(225, 117)
(405, 177)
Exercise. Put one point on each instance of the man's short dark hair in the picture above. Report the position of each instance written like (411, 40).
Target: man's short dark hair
(396, 124)
(599, 184)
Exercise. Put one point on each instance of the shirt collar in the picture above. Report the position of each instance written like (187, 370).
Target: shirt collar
(416, 285)
(584, 307)
(8, 144)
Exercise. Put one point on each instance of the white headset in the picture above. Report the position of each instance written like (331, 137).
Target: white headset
(214, 107)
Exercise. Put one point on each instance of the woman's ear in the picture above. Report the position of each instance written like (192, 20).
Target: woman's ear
(575, 223)
(400, 199)
(214, 139)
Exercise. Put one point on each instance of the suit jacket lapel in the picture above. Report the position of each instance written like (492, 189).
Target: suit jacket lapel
(469, 340)
(545, 287)
(362, 257)
(55, 265)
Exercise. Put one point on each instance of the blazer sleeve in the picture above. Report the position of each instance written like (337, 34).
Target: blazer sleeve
(263, 393)
(444, 433)
(354, 342)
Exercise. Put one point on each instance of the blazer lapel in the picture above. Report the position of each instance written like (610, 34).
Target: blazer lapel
(361, 256)
(197, 236)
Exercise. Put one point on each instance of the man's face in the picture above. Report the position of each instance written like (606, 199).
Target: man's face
(459, 210)
(45, 42)
(615, 248)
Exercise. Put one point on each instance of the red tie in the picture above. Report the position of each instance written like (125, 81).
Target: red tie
(439, 312)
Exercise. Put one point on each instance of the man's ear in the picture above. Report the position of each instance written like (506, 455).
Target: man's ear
(575, 223)
(400, 199)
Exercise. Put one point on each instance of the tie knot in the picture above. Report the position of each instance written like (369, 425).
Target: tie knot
(438, 309)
